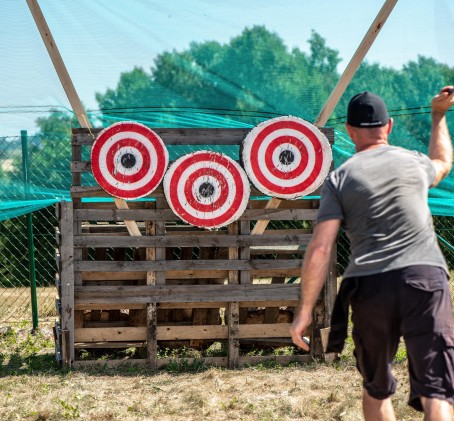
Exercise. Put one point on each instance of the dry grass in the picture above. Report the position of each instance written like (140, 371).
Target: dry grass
(33, 388)
(15, 303)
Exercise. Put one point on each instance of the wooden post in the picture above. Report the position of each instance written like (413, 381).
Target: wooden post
(154, 278)
(245, 254)
(68, 86)
(233, 309)
(355, 62)
(67, 283)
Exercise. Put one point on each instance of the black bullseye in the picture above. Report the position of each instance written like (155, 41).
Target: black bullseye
(128, 160)
(286, 157)
(206, 190)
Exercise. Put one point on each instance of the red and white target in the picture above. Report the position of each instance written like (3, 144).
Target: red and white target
(286, 157)
(129, 160)
(206, 189)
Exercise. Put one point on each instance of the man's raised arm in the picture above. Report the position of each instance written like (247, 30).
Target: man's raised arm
(440, 146)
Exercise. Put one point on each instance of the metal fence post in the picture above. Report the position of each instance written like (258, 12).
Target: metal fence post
(30, 239)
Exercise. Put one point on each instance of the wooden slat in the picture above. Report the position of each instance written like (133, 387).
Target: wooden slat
(118, 266)
(67, 283)
(171, 333)
(186, 274)
(168, 215)
(184, 305)
(185, 293)
(268, 240)
(184, 136)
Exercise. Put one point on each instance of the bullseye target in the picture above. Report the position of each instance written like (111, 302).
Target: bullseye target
(206, 189)
(129, 160)
(286, 157)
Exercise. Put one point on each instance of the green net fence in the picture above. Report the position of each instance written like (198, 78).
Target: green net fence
(198, 64)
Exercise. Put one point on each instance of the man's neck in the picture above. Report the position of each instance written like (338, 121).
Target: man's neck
(369, 146)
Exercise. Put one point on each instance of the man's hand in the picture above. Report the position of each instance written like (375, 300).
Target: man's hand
(443, 101)
(299, 326)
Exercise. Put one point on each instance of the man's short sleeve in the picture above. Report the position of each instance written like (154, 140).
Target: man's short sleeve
(428, 166)
(330, 205)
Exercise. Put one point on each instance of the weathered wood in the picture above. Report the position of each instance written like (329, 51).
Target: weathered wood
(90, 276)
(117, 266)
(186, 305)
(355, 62)
(168, 215)
(67, 282)
(267, 240)
(233, 308)
(184, 136)
(185, 293)
(166, 333)
(323, 308)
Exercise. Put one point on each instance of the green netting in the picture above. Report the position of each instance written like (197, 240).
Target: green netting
(50, 177)
(208, 64)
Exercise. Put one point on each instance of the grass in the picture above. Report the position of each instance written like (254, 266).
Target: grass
(33, 387)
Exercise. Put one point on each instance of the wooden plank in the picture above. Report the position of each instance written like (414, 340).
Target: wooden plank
(245, 253)
(185, 136)
(280, 214)
(185, 293)
(67, 283)
(190, 265)
(266, 240)
(107, 345)
(355, 62)
(131, 225)
(186, 305)
(272, 330)
(90, 276)
(323, 308)
(110, 334)
(233, 308)
(58, 63)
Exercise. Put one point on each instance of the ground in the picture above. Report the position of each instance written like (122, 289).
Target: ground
(32, 387)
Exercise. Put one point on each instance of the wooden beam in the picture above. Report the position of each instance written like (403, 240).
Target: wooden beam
(68, 86)
(355, 62)
(340, 87)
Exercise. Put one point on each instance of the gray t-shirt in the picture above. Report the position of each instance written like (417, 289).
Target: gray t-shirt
(381, 197)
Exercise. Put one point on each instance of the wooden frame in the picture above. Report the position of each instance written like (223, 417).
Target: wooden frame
(97, 280)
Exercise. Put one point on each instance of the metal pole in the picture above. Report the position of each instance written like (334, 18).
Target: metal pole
(30, 237)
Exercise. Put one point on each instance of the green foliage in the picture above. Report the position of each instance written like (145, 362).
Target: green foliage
(22, 352)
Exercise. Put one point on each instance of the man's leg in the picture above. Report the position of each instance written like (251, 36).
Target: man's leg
(436, 409)
(378, 409)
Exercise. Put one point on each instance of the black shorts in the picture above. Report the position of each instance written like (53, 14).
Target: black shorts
(413, 303)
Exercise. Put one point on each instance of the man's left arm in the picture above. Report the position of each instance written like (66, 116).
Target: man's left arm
(313, 276)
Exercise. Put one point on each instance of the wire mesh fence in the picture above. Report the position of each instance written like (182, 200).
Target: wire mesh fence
(35, 170)
(15, 298)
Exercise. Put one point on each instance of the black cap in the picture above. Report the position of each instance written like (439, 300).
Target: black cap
(367, 110)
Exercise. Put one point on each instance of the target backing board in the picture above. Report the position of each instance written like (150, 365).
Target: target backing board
(206, 189)
(286, 157)
(129, 160)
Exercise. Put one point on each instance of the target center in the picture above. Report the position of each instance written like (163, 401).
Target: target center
(206, 190)
(286, 157)
(128, 160)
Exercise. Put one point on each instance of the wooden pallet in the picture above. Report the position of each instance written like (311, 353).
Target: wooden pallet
(177, 284)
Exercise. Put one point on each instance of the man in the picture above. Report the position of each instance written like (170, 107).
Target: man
(396, 281)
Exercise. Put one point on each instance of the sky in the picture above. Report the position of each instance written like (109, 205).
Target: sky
(99, 39)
